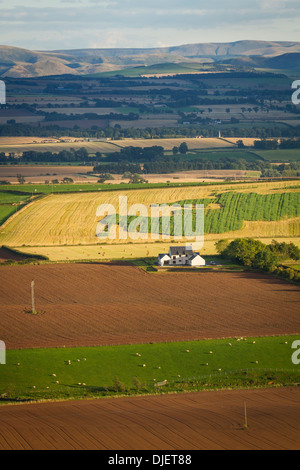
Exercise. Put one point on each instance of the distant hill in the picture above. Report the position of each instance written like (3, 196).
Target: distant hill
(21, 63)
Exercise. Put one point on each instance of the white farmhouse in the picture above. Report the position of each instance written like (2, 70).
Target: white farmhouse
(181, 256)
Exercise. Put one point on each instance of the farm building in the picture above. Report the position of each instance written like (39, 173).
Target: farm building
(181, 256)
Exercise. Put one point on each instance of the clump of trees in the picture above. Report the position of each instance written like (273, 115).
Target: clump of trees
(257, 255)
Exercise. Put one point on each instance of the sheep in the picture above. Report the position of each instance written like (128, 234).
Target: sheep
(187, 350)
(53, 375)
(144, 365)
(210, 352)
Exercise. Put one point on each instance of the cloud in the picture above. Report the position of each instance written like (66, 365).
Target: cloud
(139, 23)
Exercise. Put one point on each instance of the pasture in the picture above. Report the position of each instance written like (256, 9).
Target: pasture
(131, 369)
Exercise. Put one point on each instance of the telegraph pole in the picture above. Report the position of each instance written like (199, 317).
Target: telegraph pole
(33, 297)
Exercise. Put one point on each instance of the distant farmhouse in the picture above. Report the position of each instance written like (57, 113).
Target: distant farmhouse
(181, 256)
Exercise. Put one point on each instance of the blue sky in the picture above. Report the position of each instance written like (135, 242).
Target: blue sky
(74, 24)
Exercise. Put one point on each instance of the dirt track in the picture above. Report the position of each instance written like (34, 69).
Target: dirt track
(86, 305)
(207, 420)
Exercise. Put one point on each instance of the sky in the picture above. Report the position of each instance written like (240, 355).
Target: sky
(76, 24)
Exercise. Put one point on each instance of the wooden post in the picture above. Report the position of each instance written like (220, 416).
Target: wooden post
(33, 298)
(246, 418)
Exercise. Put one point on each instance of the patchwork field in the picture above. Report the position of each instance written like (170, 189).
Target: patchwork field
(90, 304)
(206, 420)
(110, 146)
(70, 219)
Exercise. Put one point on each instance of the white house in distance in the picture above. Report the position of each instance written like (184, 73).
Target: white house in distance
(181, 256)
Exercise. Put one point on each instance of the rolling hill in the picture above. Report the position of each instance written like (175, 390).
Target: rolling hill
(21, 63)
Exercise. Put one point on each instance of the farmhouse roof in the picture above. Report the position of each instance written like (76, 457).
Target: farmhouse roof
(164, 255)
(180, 250)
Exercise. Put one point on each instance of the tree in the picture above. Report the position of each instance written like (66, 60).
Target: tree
(137, 179)
(221, 245)
(21, 179)
(265, 261)
(183, 148)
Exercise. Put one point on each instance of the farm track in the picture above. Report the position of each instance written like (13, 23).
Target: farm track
(200, 421)
(93, 305)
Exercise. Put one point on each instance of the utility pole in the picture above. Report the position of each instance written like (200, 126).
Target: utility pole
(33, 297)
(246, 418)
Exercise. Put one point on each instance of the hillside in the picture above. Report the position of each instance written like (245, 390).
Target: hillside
(20, 63)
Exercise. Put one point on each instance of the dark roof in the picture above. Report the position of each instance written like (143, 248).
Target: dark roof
(194, 256)
(180, 250)
(163, 255)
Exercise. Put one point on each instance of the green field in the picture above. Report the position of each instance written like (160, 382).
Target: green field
(232, 210)
(215, 155)
(243, 364)
(279, 156)
(6, 210)
(8, 204)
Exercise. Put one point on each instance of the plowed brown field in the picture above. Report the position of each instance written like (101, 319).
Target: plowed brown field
(207, 420)
(86, 305)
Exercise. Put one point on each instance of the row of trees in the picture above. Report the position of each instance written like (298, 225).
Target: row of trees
(259, 132)
(255, 254)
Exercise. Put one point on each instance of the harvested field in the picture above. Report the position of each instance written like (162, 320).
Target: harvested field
(200, 421)
(70, 219)
(88, 305)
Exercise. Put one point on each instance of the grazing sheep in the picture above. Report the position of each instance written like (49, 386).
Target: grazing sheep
(53, 375)
(187, 350)
(144, 365)
(57, 382)
(210, 352)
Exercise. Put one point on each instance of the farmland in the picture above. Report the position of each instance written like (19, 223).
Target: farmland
(51, 375)
(108, 322)
(206, 420)
(70, 219)
(102, 304)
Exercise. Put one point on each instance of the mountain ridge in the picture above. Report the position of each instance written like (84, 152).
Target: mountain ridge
(17, 62)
